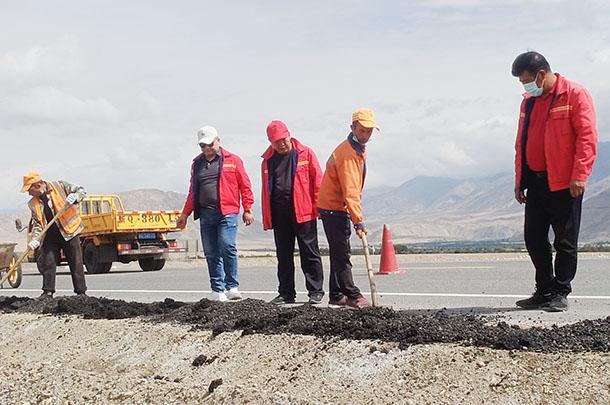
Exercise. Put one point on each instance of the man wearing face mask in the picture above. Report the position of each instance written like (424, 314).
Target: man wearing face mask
(555, 151)
(291, 177)
(339, 201)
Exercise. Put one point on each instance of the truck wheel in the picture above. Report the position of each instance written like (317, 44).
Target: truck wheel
(91, 257)
(15, 279)
(151, 264)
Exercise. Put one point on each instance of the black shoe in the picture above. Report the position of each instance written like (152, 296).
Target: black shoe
(316, 298)
(280, 300)
(45, 295)
(536, 301)
(558, 303)
(81, 294)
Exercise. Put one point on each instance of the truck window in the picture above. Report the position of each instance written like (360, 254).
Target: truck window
(106, 207)
(84, 208)
(117, 204)
(95, 205)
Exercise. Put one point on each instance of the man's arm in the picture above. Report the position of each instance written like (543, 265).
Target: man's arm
(78, 191)
(583, 122)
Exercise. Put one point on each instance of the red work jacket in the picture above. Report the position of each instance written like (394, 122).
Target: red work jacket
(233, 183)
(306, 184)
(570, 136)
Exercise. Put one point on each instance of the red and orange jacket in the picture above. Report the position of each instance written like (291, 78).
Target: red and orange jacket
(343, 180)
(233, 183)
(307, 176)
(69, 223)
(570, 137)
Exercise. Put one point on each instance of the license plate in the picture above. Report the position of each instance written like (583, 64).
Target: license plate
(147, 235)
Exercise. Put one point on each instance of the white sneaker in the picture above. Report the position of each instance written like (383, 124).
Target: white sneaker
(234, 294)
(218, 296)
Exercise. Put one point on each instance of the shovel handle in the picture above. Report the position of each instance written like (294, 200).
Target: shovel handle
(27, 249)
(369, 270)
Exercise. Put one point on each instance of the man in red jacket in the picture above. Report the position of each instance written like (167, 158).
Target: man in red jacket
(218, 181)
(291, 177)
(555, 151)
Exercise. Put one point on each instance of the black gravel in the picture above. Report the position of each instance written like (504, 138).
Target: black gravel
(405, 327)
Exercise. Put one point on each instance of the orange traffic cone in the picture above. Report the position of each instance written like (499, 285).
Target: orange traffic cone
(388, 263)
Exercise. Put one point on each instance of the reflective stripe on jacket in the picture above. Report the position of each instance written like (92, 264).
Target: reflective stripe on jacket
(69, 223)
(233, 183)
(343, 181)
(570, 137)
(305, 187)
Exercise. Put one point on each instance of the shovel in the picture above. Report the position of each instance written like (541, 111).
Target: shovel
(369, 269)
(27, 249)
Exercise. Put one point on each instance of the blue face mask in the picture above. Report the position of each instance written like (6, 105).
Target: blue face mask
(532, 88)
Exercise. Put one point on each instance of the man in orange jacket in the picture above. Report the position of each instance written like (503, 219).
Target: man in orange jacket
(218, 183)
(291, 177)
(555, 151)
(339, 201)
(49, 199)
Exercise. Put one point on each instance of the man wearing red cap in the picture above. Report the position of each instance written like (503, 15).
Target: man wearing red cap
(339, 201)
(291, 177)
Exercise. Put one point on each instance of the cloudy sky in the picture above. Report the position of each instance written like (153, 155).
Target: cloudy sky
(110, 94)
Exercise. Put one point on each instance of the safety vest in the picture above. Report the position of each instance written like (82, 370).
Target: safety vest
(69, 222)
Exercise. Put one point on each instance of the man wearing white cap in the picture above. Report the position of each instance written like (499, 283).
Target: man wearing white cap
(218, 183)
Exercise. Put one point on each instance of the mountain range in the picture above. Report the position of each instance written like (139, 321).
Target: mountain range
(422, 209)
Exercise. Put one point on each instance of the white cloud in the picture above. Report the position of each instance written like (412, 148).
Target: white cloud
(49, 104)
(41, 62)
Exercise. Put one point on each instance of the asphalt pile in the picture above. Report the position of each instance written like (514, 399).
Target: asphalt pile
(384, 324)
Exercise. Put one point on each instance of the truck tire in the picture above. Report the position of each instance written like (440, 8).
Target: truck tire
(15, 279)
(151, 264)
(91, 257)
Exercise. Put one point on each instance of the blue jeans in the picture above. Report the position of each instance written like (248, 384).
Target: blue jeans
(219, 234)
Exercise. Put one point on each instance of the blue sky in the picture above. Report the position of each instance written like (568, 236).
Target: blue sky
(110, 94)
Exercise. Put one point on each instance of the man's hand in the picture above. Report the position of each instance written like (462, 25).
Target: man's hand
(248, 217)
(181, 222)
(34, 243)
(72, 198)
(520, 195)
(577, 188)
(360, 230)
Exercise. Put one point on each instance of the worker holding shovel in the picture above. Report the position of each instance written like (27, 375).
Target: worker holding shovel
(50, 200)
(339, 202)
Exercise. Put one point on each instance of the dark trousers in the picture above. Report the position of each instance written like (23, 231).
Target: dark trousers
(72, 250)
(338, 230)
(285, 230)
(545, 209)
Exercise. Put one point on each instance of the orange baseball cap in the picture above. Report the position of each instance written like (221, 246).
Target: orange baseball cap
(28, 179)
(365, 117)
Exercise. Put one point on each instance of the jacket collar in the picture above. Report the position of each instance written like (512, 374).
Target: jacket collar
(223, 154)
(296, 145)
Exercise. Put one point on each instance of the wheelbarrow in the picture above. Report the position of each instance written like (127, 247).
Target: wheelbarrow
(8, 261)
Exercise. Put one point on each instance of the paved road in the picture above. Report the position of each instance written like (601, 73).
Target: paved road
(484, 284)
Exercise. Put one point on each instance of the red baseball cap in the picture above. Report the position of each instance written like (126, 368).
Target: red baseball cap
(277, 130)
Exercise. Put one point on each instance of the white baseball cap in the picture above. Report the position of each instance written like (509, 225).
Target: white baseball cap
(207, 135)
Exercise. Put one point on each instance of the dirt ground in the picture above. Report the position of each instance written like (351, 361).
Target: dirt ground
(76, 350)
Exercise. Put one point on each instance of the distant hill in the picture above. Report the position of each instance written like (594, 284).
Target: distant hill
(427, 209)
(422, 209)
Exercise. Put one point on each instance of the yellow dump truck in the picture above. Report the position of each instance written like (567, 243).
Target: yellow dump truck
(112, 234)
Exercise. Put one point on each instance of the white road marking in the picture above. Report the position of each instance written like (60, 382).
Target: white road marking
(246, 293)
